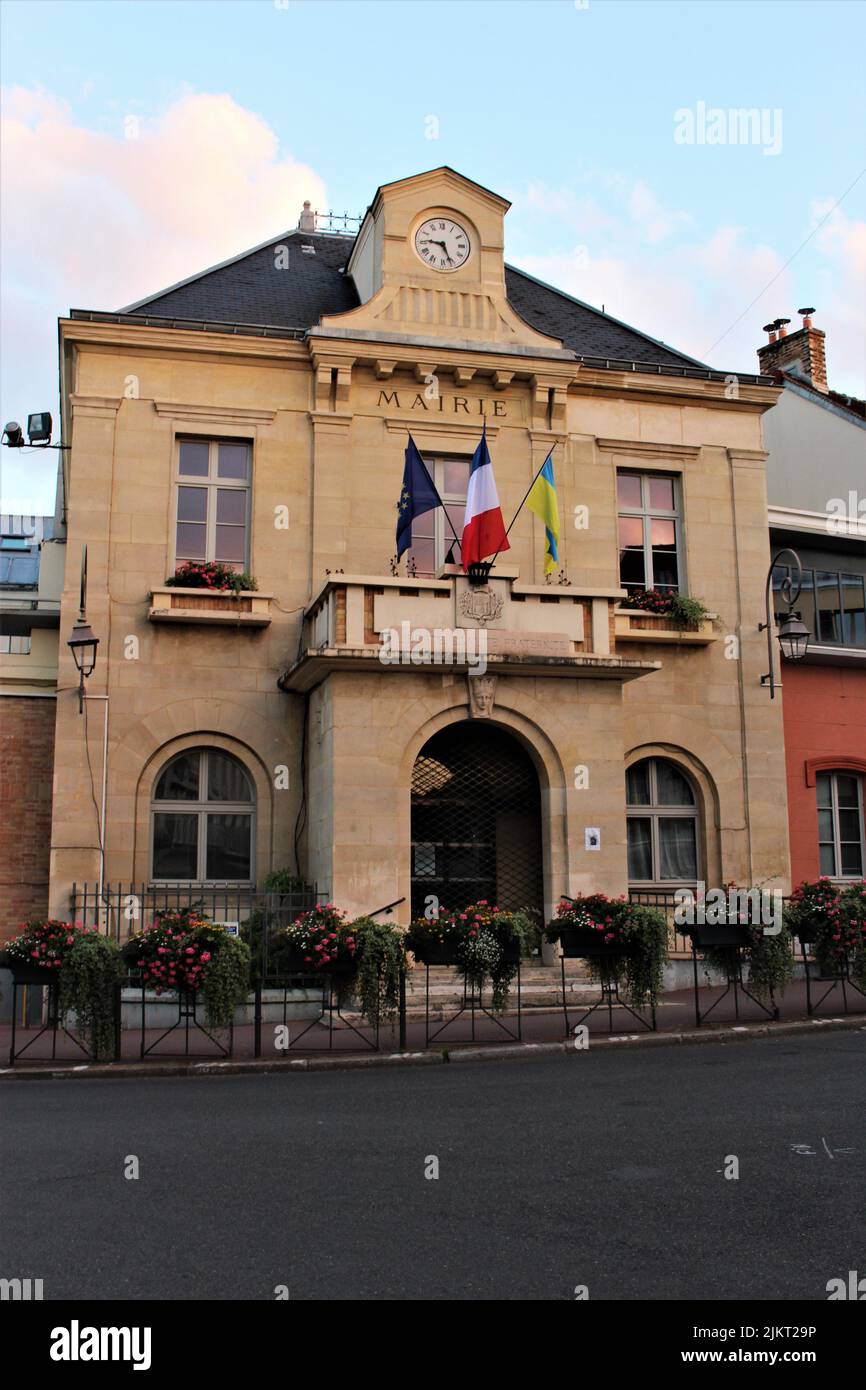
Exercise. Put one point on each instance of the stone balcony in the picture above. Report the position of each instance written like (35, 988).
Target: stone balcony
(363, 622)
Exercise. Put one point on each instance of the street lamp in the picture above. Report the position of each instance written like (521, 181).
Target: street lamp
(83, 644)
(793, 633)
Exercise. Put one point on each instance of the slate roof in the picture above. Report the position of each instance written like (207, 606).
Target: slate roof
(247, 290)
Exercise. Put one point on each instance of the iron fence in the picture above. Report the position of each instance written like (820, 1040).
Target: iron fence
(121, 910)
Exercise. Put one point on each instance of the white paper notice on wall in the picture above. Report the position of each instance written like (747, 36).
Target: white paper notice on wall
(592, 837)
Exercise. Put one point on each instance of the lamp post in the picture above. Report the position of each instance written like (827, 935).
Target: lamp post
(793, 633)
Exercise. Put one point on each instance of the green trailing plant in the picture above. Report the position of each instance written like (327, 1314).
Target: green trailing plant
(635, 940)
(284, 881)
(770, 960)
(380, 958)
(90, 974)
(226, 982)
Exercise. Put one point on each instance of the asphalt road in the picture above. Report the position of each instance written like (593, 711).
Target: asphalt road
(603, 1170)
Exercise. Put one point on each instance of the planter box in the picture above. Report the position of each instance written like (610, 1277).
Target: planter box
(436, 952)
(718, 937)
(582, 943)
(179, 605)
(634, 625)
(33, 974)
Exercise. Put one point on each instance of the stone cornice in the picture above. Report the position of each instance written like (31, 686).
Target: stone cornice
(188, 343)
(650, 386)
(648, 449)
(222, 414)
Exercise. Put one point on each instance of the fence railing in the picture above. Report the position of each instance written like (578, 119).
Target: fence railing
(678, 944)
(123, 909)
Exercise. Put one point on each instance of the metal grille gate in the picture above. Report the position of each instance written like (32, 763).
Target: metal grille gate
(476, 821)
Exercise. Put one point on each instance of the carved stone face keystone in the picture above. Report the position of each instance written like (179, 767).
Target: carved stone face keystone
(482, 692)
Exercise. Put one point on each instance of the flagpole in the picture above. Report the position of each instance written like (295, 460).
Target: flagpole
(520, 508)
(436, 490)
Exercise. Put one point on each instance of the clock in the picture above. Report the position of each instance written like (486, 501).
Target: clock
(442, 243)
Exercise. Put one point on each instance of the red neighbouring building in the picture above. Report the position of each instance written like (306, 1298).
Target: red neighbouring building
(816, 485)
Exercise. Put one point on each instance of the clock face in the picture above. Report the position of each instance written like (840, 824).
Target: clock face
(442, 243)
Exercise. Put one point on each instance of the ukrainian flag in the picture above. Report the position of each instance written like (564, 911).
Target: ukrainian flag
(542, 501)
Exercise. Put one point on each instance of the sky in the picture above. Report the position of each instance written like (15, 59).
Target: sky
(145, 140)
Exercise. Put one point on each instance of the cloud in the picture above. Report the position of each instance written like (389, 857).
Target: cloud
(653, 267)
(98, 220)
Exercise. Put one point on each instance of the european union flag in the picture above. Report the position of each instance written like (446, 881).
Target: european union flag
(417, 495)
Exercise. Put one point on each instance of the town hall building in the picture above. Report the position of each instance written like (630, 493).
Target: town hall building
(558, 739)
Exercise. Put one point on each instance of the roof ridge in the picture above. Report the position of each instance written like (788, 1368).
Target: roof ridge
(608, 318)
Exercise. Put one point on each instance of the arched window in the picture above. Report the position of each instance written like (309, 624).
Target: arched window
(842, 842)
(202, 820)
(662, 824)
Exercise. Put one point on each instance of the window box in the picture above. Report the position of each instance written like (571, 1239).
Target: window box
(250, 608)
(633, 625)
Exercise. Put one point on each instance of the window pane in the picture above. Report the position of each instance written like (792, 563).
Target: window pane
(455, 477)
(232, 505)
(825, 826)
(829, 614)
(673, 789)
(828, 860)
(637, 785)
(191, 541)
(639, 848)
(194, 458)
(423, 553)
(234, 461)
(822, 784)
(228, 847)
(664, 547)
(455, 511)
(175, 845)
(425, 861)
(227, 780)
(231, 544)
(661, 494)
(805, 604)
(846, 790)
(628, 490)
(849, 827)
(852, 860)
(179, 781)
(192, 504)
(677, 848)
(855, 610)
(632, 572)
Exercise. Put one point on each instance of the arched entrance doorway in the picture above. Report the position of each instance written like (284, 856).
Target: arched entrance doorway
(476, 820)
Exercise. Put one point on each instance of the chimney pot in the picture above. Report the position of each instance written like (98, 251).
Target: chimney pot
(807, 316)
(771, 329)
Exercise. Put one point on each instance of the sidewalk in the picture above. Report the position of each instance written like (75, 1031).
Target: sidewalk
(349, 1041)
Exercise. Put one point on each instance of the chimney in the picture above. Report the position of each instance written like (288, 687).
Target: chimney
(307, 219)
(800, 352)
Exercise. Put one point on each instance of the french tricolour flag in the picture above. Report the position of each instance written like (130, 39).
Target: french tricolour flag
(483, 527)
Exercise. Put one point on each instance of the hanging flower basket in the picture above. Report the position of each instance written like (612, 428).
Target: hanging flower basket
(621, 940)
(485, 942)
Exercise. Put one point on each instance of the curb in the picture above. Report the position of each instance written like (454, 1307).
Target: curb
(506, 1052)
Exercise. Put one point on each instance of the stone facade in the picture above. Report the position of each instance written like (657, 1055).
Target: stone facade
(327, 414)
(26, 767)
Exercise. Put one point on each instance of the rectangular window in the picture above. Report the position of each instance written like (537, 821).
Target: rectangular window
(213, 502)
(650, 531)
(842, 851)
(831, 604)
(432, 536)
(15, 644)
